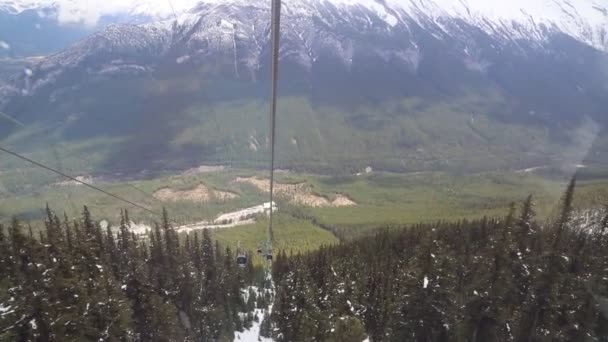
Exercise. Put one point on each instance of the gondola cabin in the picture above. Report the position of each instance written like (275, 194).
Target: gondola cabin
(241, 260)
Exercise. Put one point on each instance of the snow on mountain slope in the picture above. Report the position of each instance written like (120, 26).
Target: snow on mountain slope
(395, 34)
(533, 20)
(584, 20)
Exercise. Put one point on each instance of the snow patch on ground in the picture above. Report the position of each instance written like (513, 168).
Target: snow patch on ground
(5, 310)
(244, 214)
(85, 179)
(253, 334)
(139, 228)
(33, 324)
(228, 220)
(203, 169)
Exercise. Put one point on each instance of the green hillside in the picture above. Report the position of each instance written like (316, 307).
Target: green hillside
(470, 134)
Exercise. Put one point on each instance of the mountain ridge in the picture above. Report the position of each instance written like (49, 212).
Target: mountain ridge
(341, 55)
(583, 20)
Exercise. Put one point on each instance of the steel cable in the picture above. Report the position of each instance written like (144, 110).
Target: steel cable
(275, 40)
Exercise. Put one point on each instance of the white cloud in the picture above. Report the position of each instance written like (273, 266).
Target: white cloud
(88, 12)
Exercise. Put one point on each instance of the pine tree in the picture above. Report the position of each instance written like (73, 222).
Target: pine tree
(54, 235)
(125, 246)
(266, 326)
(18, 244)
(5, 258)
(69, 237)
(347, 329)
(112, 252)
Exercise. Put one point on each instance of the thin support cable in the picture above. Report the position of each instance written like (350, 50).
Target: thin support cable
(76, 180)
(275, 39)
(172, 10)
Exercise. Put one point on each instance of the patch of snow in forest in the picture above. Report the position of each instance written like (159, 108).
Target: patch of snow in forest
(140, 228)
(426, 282)
(253, 334)
(245, 292)
(182, 59)
(5, 310)
(352, 308)
(531, 169)
(237, 218)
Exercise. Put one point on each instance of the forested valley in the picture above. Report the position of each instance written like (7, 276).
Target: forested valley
(516, 278)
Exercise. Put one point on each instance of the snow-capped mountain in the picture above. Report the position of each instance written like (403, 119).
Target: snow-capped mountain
(396, 32)
(41, 27)
(546, 62)
(584, 20)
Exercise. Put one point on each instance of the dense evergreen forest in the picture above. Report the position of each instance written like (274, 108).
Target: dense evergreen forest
(512, 279)
(79, 282)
